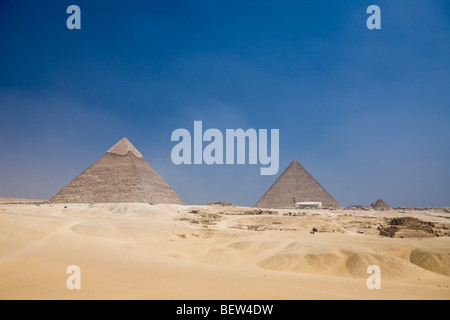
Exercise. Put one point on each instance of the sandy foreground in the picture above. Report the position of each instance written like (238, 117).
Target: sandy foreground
(142, 251)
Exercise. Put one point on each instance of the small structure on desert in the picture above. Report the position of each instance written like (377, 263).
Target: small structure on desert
(121, 175)
(309, 204)
(296, 187)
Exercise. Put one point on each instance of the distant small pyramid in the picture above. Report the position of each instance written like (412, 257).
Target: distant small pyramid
(379, 205)
(121, 175)
(295, 184)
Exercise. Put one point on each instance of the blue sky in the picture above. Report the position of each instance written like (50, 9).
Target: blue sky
(366, 112)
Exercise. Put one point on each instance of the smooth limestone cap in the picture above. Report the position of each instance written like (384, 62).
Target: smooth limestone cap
(124, 146)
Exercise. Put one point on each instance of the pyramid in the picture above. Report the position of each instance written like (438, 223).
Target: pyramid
(379, 205)
(295, 184)
(121, 175)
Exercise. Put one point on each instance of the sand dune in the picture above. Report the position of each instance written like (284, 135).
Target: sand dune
(142, 251)
(432, 261)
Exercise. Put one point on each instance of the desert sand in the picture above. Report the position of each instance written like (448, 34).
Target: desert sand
(143, 251)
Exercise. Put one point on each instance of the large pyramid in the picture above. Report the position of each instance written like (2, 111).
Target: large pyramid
(295, 184)
(121, 175)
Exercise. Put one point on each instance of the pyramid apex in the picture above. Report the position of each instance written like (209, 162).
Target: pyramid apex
(124, 146)
(294, 165)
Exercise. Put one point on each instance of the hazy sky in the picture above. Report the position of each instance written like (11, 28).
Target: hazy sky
(366, 112)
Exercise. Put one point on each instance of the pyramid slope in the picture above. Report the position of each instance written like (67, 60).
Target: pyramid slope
(118, 177)
(295, 184)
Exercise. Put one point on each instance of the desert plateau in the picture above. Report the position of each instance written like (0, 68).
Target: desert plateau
(219, 251)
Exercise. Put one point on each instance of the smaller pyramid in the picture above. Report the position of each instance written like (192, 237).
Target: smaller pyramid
(379, 205)
(294, 185)
(121, 175)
